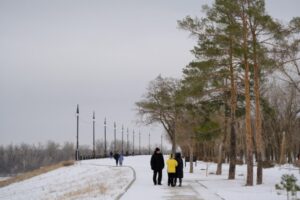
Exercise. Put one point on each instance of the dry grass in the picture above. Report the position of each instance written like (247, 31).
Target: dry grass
(36, 172)
(89, 189)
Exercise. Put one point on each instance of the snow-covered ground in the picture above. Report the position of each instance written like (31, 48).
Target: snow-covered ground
(100, 179)
(90, 179)
(204, 184)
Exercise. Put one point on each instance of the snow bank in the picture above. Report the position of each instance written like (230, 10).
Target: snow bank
(236, 189)
(90, 179)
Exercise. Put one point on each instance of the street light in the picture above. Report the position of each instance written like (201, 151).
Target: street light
(94, 152)
(122, 140)
(139, 143)
(115, 137)
(127, 149)
(77, 142)
(105, 152)
(133, 142)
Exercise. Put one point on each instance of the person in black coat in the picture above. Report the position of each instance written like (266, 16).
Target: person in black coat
(179, 169)
(116, 157)
(157, 164)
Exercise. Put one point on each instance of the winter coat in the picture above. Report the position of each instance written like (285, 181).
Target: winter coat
(179, 168)
(121, 158)
(116, 156)
(157, 162)
(171, 163)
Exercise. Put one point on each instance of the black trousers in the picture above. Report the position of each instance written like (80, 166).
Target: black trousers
(171, 179)
(180, 181)
(155, 178)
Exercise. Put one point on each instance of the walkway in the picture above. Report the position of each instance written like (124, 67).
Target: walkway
(143, 188)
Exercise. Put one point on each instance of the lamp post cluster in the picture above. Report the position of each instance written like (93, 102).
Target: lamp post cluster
(77, 153)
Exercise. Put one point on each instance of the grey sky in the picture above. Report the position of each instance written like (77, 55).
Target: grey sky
(98, 54)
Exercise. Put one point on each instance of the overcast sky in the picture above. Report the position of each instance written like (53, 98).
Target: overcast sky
(101, 55)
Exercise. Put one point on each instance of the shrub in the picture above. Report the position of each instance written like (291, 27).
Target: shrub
(288, 183)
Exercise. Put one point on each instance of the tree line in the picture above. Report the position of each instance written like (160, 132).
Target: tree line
(238, 99)
(20, 158)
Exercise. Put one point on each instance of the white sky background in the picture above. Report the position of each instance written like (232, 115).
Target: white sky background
(98, 54)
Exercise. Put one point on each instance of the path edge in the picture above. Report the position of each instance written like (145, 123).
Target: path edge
(129, 185)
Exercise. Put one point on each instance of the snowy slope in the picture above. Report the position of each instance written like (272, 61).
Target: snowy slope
(84, 180)
(100, 179)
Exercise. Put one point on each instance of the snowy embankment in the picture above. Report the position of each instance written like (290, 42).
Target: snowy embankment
(235, 189)
(100, 179)
(90, 179)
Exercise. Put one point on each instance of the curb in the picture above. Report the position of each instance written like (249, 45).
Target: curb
(129, 185)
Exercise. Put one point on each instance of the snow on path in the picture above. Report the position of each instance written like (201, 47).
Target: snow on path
(144, 189)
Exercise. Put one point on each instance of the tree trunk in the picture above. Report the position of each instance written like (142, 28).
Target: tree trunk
(232, 155)
(233, 102)
(282, 150)
(249, 145)
(220, 156)
(191, 159)
(222, 145)
(258, 125)
(174, 144)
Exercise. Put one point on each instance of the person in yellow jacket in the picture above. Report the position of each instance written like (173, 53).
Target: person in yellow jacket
(171, 168)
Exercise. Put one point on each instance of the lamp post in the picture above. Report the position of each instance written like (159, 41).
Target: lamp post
(122, 140)
(77, 142)
(127, 149)
(139, 142)
(115, 137)
(133, 142)
(94, 152)
(105, 151)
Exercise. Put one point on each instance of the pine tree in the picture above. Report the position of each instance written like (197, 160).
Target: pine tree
(289, 184)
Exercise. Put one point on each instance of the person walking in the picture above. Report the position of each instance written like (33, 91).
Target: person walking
(121, 158)
(116, 157)
(179, 169)
(157, 164)
(172, 164)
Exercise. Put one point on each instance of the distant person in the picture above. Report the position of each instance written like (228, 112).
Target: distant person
(116, 157)
(179, 169)
(172, 164)
(111, 154)
(121, 158)
(157, 164)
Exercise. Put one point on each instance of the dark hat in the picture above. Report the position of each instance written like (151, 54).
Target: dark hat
(157, 149)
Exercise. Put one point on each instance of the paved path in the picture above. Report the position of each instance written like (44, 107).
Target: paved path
(143, 188)
(187, 192)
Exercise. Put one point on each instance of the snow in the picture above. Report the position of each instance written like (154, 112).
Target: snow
(88, 179)
(101, 179)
